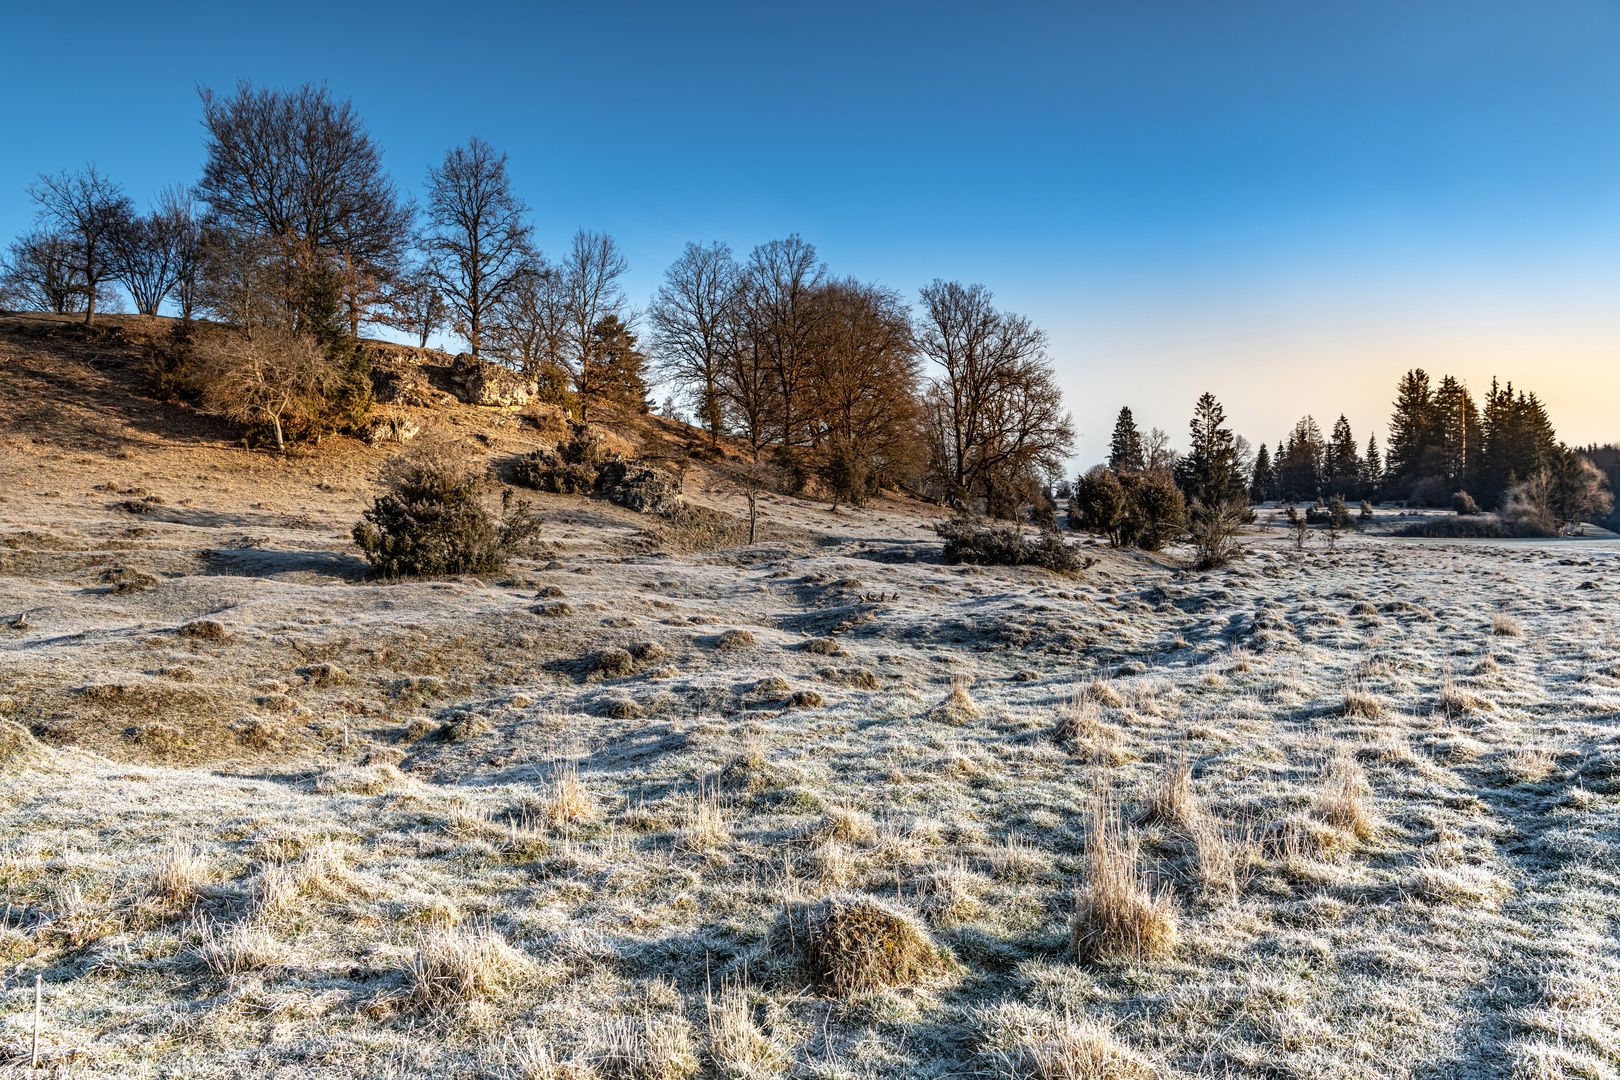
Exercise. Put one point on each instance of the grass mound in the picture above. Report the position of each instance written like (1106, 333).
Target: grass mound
(850, 944)
(19, 749)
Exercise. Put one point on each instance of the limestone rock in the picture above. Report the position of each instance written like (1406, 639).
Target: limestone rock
(478, 383)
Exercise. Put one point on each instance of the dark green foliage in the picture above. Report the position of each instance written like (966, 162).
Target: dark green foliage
(1463, 503)
(1264, 478)
(1098, 505)
(1144, 510)
(968, 540)
(570, 469)
(1125, 448)
(848, 473)
(1209, 470)
(433, 523)
(169, 365)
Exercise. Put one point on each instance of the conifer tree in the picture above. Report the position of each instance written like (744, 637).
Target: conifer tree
(1261, 483)
(1125, 449)
(1209, 471)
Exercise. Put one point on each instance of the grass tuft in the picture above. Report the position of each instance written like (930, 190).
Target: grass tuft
(454, 966)
(1117, 914)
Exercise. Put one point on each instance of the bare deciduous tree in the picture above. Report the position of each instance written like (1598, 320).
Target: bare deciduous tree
(415, 304)
(590, 274)
(89, 210)
(478, 242)
(267, 378)
(152, 253)
(995, 412)
(40, 271)
(299, 169)
(779, 306)
(691, 321)
(239, 281)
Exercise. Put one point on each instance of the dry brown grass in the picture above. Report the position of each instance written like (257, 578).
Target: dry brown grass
(1171, 800)
(534, 1059)
(454, 966)
(959, 706)
(566, 799)
(737, 1047)
(1118, 915)
(703, 823)
(1505, 625)
(654, 1048)
(843, 823)
(1079, 719)
(179, 876)
(238, 948)
(1359, 701)
(1454, 699)
(1101, 692)
(1023, 1043)
(851, 944)
(1339, 797)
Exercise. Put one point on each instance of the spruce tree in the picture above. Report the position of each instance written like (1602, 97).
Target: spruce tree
(1125, 449)
(1372, 468)
(1411, 428)
(1260, 484)
(1209, 471)
(1341, 463)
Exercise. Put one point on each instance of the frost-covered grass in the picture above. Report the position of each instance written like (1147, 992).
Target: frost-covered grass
(420, 830)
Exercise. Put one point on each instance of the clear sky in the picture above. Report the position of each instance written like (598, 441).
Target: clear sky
(1285, 203)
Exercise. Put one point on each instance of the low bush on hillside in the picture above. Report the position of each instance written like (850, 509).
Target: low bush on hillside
(970, 541)
(433, 523)
(1473, 527)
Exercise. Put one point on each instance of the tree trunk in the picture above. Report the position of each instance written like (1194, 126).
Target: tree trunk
(753, 518)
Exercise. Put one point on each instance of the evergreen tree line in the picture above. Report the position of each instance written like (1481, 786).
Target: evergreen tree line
(1444, 451)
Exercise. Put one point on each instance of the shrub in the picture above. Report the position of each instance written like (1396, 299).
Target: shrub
(433, 523)
(851, 944)
(1214, 531)
(970, 541)
(1098, 504)
(571, 468)
(1463, 503)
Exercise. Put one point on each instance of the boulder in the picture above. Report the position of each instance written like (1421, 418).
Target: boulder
(478, 383)
(394, 386)
(639, 487)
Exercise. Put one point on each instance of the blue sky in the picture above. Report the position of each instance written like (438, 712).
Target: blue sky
(1285, 203)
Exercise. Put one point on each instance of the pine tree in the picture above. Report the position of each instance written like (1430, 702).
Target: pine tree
(1411, 428)
(1260, 484)
(1209, 471)
(1341, 463)
(1372, 468)
(1125, 449)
